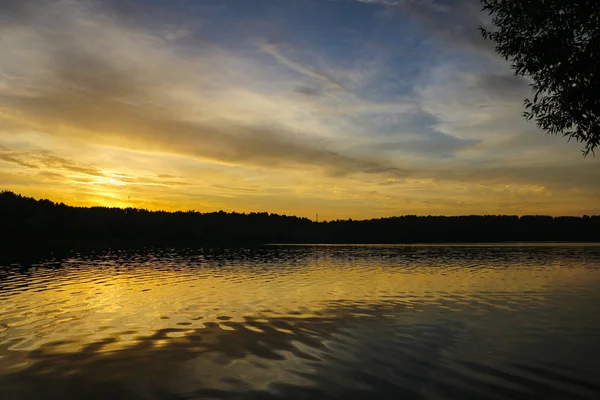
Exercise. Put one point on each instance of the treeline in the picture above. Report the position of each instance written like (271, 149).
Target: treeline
(24, 218)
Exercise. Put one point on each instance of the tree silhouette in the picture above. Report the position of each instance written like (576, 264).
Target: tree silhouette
(27, 220)
(557, 44)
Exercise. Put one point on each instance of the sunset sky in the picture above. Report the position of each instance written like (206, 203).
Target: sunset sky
(347, 108)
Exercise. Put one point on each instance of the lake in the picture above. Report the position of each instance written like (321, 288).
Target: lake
(304, 322)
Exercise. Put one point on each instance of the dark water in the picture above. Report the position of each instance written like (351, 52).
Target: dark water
(304, 322)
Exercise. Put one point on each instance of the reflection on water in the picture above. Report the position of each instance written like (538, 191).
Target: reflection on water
(304, 322)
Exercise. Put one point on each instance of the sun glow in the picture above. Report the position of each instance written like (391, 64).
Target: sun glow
(125, 109)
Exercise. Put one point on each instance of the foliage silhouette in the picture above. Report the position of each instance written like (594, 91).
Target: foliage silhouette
(557, 44)
(27, 219)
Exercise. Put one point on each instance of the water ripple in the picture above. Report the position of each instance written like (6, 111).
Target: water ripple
(422, 322)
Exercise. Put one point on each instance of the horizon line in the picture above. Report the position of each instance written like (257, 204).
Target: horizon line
(6, 191)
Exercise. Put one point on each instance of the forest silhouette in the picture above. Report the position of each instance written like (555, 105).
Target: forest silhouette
(27, 219)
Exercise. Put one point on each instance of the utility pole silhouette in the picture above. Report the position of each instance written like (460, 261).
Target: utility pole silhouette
(317, 218)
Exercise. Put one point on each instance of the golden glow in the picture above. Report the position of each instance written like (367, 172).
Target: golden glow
(86, 174)
(121, 116)
(150, 298)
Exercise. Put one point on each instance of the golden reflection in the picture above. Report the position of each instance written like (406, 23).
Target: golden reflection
(83, 306)
(237, 320)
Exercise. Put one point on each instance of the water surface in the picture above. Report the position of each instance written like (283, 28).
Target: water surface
(304, 322)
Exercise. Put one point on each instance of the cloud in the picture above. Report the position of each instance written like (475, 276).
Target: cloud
(235, 189)
(109, 121)
(429, 4)
(16, 10)
(503, 85)
(94, 94)
(308, 91)
(426, 145)
(327, 79)
(44, 160)
(453, 22)
(47, 165)
(557, 177)
(220, 116)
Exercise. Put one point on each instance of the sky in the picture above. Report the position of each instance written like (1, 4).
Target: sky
(346, 108)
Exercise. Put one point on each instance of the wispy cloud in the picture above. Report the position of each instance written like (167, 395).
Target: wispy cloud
(111, 99)
(329, 81)
(47, 165)
(430, 4)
